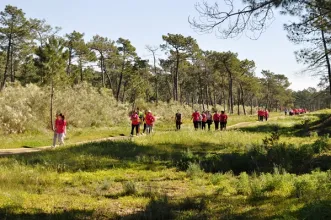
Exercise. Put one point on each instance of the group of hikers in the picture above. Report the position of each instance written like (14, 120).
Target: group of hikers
(146, 120)
(263, 115)
(200, 120)
(295, 111)
(206, 118)
(139, 118)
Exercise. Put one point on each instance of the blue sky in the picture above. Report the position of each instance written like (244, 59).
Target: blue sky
(145, 21)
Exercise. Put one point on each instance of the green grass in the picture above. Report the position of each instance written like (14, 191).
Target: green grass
(176, 175)
(74, 135)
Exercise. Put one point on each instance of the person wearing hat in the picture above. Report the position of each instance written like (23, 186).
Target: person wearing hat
(149, 122)
(196, 117)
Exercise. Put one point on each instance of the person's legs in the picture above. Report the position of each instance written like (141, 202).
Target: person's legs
(61, 138)
(132, 129)
(209, 123)
(203, 125)
(216, 125)
(195, 125)
(137, 129)
(54, 139)
(144, 127)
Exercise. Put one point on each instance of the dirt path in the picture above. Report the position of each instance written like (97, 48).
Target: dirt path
(6, 152)
(14, 151)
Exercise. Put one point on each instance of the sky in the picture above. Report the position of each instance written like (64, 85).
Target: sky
(144, 22)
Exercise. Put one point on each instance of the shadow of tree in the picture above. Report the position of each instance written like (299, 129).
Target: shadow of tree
(7, 213)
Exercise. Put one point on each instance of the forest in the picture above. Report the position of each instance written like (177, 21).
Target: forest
(34, 52)
(278, 167)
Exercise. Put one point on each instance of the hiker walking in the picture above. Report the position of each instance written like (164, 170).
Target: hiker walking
(223, 120)
(150, 119)
(178, 119)
(195, 117)
(141, 119)
(200, 121)
(135, 123)
(209, 119)
(204, 121)
(216, 119)
(266, 114)
(260, 115)
(144, 118)
(60, 130)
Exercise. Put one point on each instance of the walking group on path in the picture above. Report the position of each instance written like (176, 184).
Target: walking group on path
(140, 118)
(263, 115)
(206, 118)
(201, 120)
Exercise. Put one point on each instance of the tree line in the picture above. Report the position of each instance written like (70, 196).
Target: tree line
(32, 51)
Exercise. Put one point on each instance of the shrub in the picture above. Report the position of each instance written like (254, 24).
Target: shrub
(194, 170)
(129, 188)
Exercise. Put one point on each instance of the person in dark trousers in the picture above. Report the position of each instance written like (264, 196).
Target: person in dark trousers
(209, 119)
(178, 118)
(195, 117)
(223, 120)
(204, 120)
(135, 123)
(216, 119)
(266, 115)
(144, 119)
(260, 114)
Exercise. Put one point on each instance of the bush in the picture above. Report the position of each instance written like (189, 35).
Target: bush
(129, 188)
(194, 170)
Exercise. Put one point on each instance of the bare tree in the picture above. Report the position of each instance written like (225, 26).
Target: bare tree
(255, 16)
(153, 50)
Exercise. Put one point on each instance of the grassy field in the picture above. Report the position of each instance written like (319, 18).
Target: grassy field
(278, 169)
(75, 135)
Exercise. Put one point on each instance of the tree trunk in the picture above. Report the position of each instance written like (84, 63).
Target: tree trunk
(81, 70)
(238, 101)
(242, 98)
(156, 79)
(176, 75)
(120, 82)
(69, 62)
(51, 107)
(12, 78)
(5, 75)
(252, 106)
(326, 51)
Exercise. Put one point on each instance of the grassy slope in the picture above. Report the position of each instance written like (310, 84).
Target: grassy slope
(139, 179)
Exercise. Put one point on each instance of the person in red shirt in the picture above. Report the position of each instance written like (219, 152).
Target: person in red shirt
(216, 119)
(196, 117)
(260, 114)
(135, 123)
(266, 115)
(149, 122)
(60, 129)
(204, 120)
(223, 120)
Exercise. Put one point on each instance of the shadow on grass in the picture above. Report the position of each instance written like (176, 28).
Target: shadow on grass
(128, 154)
(221, 207)
(9, 212)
